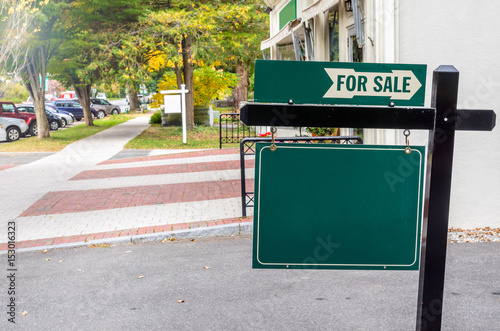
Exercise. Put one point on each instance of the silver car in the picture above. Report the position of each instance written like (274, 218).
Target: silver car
(66, 118)
(104, 108)
(11, 129)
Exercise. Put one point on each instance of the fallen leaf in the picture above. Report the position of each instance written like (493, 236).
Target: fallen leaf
(180, 301)
(128, 251)
(60, 261)
(24, 313)
(193, 239)
(140, 277)
(47, 259)
(44, 251)
(206, 267)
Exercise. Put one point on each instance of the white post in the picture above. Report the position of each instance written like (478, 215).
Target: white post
(210, 115)
(175, 104)
(183, 106)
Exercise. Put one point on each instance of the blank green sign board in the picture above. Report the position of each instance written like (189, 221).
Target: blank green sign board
(337, 206)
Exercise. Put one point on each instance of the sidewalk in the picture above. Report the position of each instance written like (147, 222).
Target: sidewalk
(88, 191)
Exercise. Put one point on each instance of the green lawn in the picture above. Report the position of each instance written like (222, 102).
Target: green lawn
(61, 138)
(170, 137)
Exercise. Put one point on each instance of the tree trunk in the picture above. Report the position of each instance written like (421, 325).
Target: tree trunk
(240, 92)
(178, 75)
(34, 69)
(83, 94)
(133, 99)
(188, 80)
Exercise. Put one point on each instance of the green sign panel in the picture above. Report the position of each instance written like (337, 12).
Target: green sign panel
(335, 83)
(337, 206)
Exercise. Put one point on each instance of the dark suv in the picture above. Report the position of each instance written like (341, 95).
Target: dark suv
(72, 107)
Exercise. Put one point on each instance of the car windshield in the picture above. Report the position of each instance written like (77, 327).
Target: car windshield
(52, 109)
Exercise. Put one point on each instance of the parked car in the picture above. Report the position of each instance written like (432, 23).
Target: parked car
(8, 109)
(54, 121)
(101, 95)
(73, 107)
(11, 129)
(66, 118)
(104, 108)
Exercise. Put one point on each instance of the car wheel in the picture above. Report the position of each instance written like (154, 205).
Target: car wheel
(101, 114)
(64, 123)
(114, 111)
(33, 129)
(78, 118)
(54, 125)
(93, 116)
(13, 134)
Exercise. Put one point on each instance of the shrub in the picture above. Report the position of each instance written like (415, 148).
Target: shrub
(208, 84)
(156, 118)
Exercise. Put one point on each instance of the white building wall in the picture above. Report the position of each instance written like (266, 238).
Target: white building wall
(463, 34)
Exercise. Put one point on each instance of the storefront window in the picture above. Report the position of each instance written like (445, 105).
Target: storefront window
(333, 20)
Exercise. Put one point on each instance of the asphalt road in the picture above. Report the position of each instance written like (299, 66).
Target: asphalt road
(139, 286)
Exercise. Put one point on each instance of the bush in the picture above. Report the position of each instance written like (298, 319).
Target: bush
(15, 93)
(208, 84)
(156, 118)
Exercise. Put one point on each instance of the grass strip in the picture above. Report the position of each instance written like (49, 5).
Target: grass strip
(61, 138)
(170, 137)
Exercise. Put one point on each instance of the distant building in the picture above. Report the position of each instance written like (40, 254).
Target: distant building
(459, 33)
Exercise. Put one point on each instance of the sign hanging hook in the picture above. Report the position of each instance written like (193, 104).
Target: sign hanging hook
(273, 132)
(407, 134)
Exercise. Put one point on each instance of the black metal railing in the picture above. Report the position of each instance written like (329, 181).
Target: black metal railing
(232, 130)
(247, 147)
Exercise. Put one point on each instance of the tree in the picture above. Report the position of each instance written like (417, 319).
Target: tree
(72, 66)
(213, 32)
(77, 63)
(15, 20)
(208, 84)
(51, 28)
(241, 29)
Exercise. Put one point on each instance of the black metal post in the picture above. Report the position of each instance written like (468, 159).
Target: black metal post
(435, 223)
(220, 131)
(243, 179)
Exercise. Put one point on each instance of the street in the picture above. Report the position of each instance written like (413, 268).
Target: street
(208, 284)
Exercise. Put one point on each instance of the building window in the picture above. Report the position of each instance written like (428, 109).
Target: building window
(285, 52)
(355, 50)
(333, 21)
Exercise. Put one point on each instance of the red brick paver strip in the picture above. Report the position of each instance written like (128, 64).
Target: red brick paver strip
(208, 152)
(123, 233)
(162, 170)
(8, 166)
(60, 202)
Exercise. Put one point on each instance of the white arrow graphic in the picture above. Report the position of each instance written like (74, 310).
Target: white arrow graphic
(347, 83)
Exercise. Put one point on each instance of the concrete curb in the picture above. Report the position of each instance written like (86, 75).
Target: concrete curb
(205, 232)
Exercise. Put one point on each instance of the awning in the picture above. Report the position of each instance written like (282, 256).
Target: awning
(284, 36)
(316, 8)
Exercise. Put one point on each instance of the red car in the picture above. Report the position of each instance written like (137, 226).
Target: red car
(8, 109)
